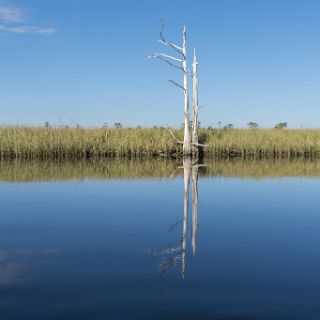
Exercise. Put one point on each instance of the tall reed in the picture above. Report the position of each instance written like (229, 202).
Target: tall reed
(62, 142)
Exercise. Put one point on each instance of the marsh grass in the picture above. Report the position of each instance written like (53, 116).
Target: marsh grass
(263, 142)
(61, 142)
(76, 142)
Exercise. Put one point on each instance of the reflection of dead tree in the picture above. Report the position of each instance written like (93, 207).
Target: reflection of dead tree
(186, 179)
(194, 207)
(166, 264)
(175, 253)
(190, 170)
(170, 256)
(175, 225)
(173, 248)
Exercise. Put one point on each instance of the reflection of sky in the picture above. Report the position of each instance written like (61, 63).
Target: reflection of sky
(17, 265)
(257, 247)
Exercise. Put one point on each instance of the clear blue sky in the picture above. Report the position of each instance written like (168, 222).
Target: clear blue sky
(84, 61)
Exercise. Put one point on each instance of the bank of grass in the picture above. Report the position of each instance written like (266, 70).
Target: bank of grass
(71, 142)
(263, 142)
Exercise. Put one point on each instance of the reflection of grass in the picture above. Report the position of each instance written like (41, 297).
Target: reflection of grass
(36, 170)
(61, 142)
(263, 168)
(39, 170)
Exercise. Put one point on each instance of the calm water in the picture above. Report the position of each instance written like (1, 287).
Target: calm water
(126, 240)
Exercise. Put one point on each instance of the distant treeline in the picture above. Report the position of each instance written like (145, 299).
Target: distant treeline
(76, 142)
(152, 168)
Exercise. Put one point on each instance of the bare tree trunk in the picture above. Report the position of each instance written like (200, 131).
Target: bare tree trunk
(194, 177)
(186, 178)
(176, 63)
(187, 139)
(195, 125)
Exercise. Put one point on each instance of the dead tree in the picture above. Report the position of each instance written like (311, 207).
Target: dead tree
(181, 64)
(195, 124)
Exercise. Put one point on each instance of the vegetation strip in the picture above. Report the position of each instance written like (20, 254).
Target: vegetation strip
(76, 142)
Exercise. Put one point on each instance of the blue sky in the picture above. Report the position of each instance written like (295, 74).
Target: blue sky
(84, 61)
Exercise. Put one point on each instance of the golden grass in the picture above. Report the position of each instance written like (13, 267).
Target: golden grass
(37, 142)
(263, 142)
(62, 142)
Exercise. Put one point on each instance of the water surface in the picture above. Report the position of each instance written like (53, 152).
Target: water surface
(159, 239)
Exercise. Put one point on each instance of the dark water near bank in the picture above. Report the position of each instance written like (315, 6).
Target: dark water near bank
(122, 240)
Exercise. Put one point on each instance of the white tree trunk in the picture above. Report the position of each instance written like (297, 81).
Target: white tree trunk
(195, 125)
(187, 139)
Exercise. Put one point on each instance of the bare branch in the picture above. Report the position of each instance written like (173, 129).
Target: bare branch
(165, 41)
(171, 45)
(175, 137)
(177, 84)
(200, 145)
(156, 55)
(194, 144)
(167, 61)
(201, 165)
